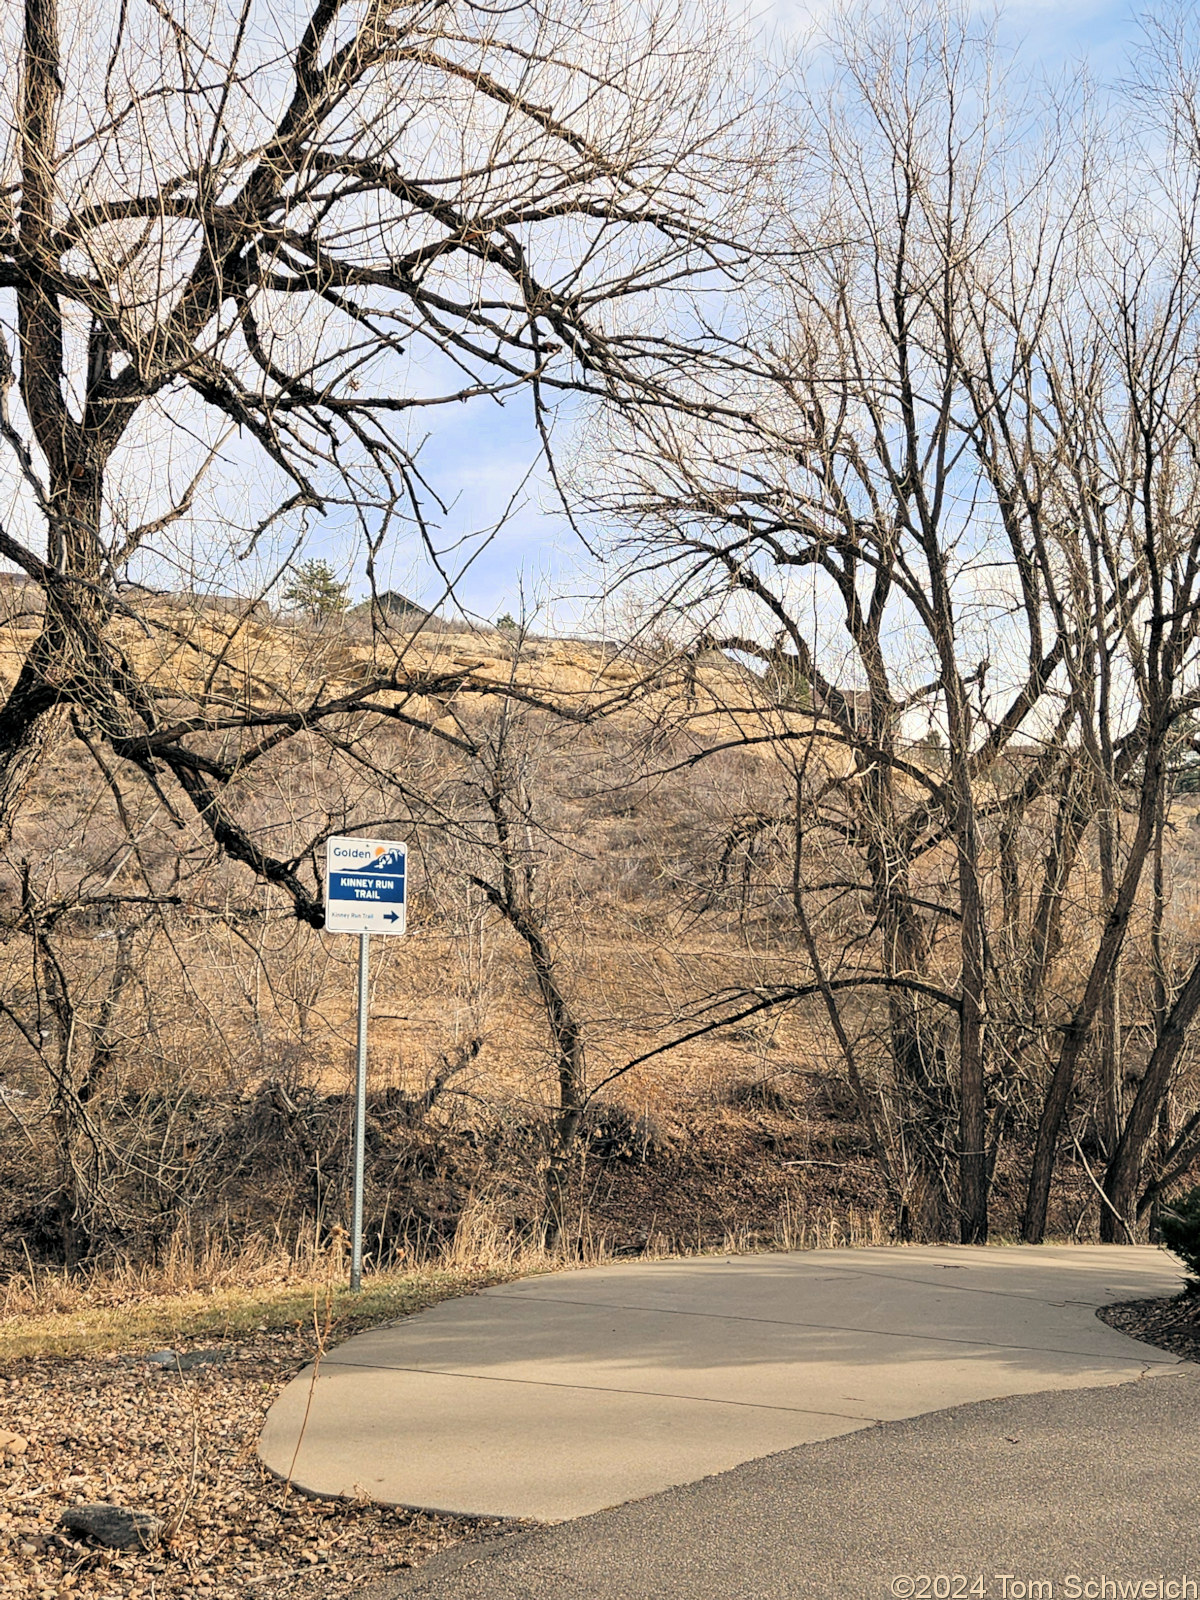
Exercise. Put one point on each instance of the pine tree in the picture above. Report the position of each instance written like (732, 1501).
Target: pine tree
(316, 591)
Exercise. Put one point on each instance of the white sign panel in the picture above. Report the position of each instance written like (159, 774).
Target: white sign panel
(365, 883)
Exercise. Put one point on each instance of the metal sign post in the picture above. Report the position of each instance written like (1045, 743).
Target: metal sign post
(365, 893)
(360, 1111)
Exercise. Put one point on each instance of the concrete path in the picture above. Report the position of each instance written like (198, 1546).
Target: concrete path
(1072, 1496)
(559, 1395)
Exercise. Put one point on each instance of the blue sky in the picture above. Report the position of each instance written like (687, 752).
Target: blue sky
(488, 457)
(483, 457)
(481, 453)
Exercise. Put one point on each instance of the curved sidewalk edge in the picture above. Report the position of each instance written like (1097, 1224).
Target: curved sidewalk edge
(557, 1396)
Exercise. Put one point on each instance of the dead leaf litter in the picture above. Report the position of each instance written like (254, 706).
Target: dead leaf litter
(176, 1443)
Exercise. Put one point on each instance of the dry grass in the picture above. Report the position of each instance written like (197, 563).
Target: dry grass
(222, 1293)
(132, 1323)
(226, 1099)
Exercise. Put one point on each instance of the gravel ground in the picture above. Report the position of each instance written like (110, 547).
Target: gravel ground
(181, 1445)
(1172, 1324)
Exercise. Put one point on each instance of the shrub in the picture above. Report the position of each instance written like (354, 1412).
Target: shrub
(1179, 1224)
(763, 1094)
(615, 1133)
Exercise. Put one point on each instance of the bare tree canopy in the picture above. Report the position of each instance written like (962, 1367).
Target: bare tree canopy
(246, 253)
(955, 519)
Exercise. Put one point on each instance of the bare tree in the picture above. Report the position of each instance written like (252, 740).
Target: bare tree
(242, 258)
(247, 258)
(959, 497)
(279, 255)
(502, 821)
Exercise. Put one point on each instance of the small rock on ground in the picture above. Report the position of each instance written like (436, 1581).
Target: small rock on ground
(116, 1526)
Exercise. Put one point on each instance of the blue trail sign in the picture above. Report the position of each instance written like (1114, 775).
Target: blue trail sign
(365, 882)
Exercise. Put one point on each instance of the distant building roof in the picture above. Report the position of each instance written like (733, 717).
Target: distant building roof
(857, 703)
(399, 605)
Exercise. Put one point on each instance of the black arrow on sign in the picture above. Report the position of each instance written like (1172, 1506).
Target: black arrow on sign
(390, 916)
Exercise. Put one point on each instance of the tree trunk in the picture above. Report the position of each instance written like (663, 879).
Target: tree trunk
(1100, 977)
(1123, 1177)
(972, 1127)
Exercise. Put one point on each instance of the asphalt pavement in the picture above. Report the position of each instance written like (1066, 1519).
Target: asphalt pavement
(1078, 1495)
